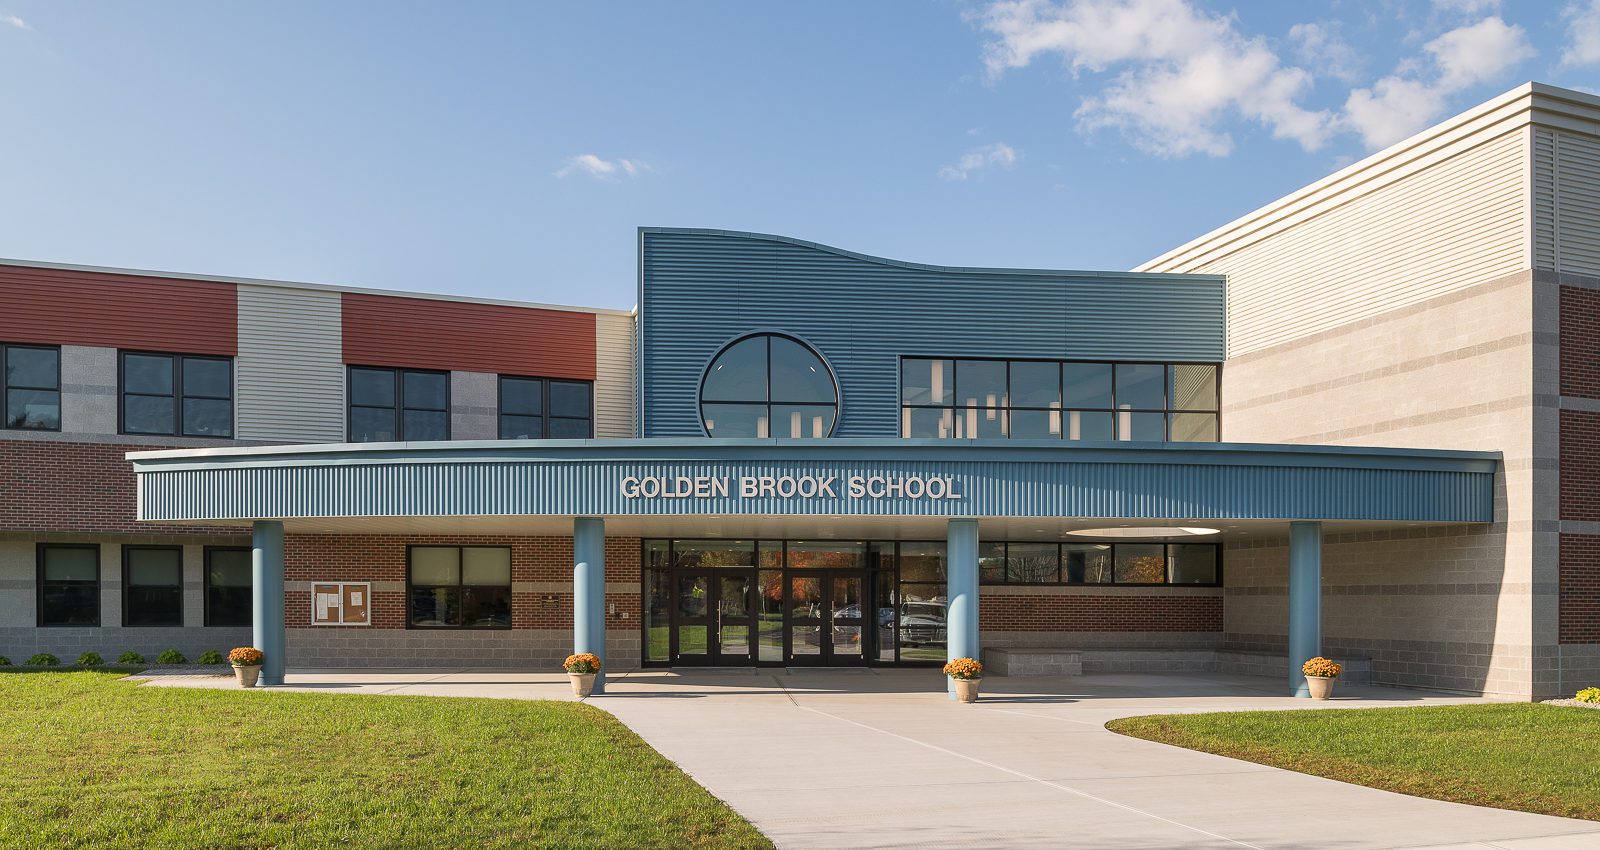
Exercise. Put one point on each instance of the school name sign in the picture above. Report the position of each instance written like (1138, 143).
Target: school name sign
(852, 487)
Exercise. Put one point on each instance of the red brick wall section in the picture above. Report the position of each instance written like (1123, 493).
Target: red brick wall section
(382, 558)
(1580, 588)
(1580, 465)
(1580, 342)
(47, 485)
(1085, 613)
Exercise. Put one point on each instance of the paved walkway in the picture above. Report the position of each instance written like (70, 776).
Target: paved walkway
(826, 759)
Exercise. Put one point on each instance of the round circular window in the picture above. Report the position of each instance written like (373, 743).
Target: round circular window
(768, 385)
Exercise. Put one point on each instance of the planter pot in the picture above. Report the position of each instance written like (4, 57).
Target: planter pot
(247, 676)
(582, 684)
(967, 689)
(1321, 686)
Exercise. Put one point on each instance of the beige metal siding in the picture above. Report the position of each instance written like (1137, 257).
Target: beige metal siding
(1386, 244)
(614, 378)
(290, 365)
(1566, 203)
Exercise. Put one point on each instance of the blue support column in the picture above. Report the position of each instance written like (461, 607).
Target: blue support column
(961, 620)
(1305, 600)
(589, 590)
(266, 599)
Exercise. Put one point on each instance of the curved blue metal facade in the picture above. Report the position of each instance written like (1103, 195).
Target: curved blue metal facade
(591, 478)
(701, 288)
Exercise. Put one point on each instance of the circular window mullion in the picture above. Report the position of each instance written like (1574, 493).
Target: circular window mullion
(768, 384)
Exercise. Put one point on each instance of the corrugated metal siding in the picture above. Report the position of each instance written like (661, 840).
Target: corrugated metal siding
(1397, 239)
(1566, 202)
(991, 488)
(70, 307)
(381, 330)
(613, 379)
(701, 289)
(290, 365)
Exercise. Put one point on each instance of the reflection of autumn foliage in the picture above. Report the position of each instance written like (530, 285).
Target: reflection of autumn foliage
(772, 585)
(801, 559)
(1143, 569)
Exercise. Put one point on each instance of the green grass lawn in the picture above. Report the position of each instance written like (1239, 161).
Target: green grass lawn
(1533, 758)
(87, 760)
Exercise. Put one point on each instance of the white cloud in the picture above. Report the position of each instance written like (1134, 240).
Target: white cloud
(997, 155)
(1467, 7)
(1583, 33)
(14, 21)
(1180, 70)
(1405, 102)
(1320, 45)
(605, 169)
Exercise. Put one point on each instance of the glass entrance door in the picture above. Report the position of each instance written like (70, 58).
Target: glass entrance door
(825, 615)
(712, 624)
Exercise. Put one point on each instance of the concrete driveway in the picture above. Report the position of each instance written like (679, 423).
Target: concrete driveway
(880, 758)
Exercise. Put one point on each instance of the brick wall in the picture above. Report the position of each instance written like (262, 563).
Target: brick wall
(1580, 342)
(1580, 465)
(1099, 613)
(50, 485)
(1580, 588)
(541, 575)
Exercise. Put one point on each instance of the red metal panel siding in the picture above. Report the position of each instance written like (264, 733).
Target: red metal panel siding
(67, 307)
(421, 333)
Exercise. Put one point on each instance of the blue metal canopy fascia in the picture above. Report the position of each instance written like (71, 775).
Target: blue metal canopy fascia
(992, 479)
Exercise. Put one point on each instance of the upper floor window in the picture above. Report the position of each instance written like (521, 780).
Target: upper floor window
(69, 584)
(545, 408)
(398, 404)
(177, 394)
(33, 387)
(1054, 400)
(768, 385)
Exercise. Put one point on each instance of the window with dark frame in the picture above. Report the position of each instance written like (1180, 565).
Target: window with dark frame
(32, 392)
(974, 398)
(1128, 563)
(545, 408)
(387, 405)
(228, 586)
(458, 587)
(152, 585)
(176, 394)
(69, 584)
(768, 385)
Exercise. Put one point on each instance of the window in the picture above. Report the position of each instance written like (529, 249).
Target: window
(1056, 400)
(460, 587)
(1100, 563)
(152, 586)
(177, 394)
(33, 387)
(398, 404)
(228, 586)
(768, 385)
(69, 584)
(545, 408)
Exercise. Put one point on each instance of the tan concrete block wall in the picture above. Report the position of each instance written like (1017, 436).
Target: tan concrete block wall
(1452, 611)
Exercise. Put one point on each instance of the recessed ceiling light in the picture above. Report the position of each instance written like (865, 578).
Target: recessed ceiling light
(1145, 531)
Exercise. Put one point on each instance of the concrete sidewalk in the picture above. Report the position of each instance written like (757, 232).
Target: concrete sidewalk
(880, 758)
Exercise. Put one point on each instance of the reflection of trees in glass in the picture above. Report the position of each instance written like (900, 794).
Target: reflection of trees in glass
(694, 556)
(1143, 569)
(1035, 567)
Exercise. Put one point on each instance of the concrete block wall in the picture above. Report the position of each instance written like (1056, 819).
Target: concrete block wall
(1454, 371)
(1420, 602)
(20, 635)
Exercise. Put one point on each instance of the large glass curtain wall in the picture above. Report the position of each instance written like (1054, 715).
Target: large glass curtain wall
(1055, 400)
(833, 602)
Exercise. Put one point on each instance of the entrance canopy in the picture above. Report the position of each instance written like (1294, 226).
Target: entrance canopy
(647, 486)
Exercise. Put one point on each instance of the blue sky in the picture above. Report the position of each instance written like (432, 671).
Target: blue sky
(510, 150)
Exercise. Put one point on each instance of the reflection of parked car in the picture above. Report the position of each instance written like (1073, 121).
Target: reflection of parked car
(853, 612)
(922, 622)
